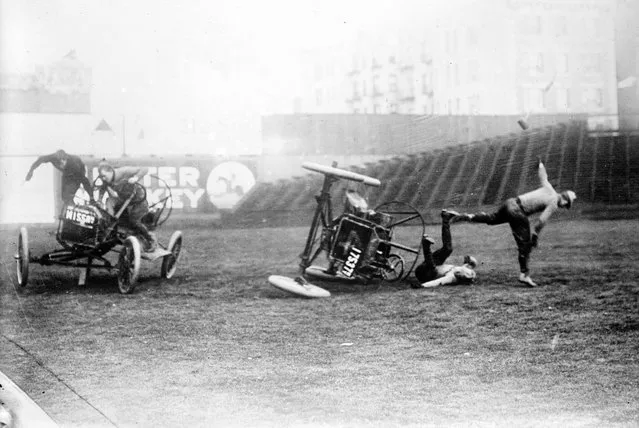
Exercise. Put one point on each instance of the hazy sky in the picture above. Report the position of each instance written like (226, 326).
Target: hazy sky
(164, 59)
(139, 43)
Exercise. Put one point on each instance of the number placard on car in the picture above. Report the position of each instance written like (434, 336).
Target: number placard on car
(80, 216)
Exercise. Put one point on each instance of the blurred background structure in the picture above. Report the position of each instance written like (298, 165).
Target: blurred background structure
(252, 90)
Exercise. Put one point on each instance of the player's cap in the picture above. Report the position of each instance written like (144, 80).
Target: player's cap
(568, 196)
(470, 260)
(104, 165)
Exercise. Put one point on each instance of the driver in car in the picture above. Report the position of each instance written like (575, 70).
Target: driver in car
(119, 184)
(433, 271)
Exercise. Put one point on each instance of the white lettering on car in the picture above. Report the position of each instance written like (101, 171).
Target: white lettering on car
(79, 216)
(351, 261)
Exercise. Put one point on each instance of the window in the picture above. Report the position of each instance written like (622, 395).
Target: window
(563, 98)
(427, 84)
(393, 108)
(563, 63)
(473, 70)
(456, 74)
(562, 26)
(364, 89)
(318, 96)
(458, 106)
(425, 57)
(530, 25)
(474, 104)
(392, 83)
(376, 90)
(591, 63)
(355, 90)
(376, 109)
(539, 64)
(592, 98)
(471, 35)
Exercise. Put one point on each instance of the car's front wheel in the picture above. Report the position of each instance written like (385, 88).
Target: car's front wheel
(128, 265)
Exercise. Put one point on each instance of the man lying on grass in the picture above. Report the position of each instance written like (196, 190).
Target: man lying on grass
(433, 271)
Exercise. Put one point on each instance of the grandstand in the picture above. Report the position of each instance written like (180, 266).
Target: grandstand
(602, 169)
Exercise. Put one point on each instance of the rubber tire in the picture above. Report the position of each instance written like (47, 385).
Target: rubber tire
(341, 173)
(22, 258)
(129, 261)
(401, 263)
(290, 285)
(169, 262)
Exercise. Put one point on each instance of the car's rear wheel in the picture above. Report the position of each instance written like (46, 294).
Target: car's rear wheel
(128, 265)
(170, 261)
(395, 268)
(22, 257)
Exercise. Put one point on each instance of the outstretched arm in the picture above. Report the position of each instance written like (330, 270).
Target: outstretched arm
(541, 223)
(543, 175)
(447, 279)
(37, 163)
(133, 173)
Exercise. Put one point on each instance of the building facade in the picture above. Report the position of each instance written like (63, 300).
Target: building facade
(522, 57)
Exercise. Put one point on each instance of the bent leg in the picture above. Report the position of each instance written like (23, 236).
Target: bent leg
(502, 215)
(135, 214)
(440, 256)
(427, 270)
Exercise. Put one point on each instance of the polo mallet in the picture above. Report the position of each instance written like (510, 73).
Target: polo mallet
(523, 122)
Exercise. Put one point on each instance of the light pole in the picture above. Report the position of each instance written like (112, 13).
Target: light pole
(123, 136)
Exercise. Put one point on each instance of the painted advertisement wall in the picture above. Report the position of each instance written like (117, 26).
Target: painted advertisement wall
(202, 184)
(197, 184)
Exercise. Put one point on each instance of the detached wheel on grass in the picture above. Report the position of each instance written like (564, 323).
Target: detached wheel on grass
(170, 261)
(22, 257)
(129, 265)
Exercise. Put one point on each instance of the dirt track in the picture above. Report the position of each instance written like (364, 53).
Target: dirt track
(217, 346)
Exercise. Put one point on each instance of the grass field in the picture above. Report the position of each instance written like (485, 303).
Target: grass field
(218, 346)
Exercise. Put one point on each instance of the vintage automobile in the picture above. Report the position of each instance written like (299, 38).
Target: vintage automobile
(87, 234)
(359, 244)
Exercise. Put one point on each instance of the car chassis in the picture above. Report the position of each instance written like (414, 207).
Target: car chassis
(88, 232)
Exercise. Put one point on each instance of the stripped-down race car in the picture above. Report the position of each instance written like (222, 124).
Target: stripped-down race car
(88, 234)
(359, 244)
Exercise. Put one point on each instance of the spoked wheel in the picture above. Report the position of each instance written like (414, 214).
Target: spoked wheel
(170, 261)
(22, 257)
(405, 242)
(395, 269)
(129, 265)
